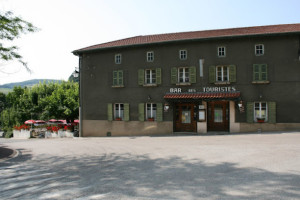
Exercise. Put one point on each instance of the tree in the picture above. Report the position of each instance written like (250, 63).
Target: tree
(11, 27)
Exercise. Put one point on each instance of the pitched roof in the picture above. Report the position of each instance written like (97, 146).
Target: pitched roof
(208, 34)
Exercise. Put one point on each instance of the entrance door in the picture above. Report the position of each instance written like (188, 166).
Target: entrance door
(185, 117)
(218, 116)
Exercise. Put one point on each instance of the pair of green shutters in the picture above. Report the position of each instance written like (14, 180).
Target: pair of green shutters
(141, 76)
(271, 112)
(118, 78)
(192, 74)
(159, 112)
(212, 74)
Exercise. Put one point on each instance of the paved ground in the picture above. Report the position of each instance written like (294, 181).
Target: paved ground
(254, 166)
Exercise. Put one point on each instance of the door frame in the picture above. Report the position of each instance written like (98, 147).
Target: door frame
(218, 126)
(177, 118)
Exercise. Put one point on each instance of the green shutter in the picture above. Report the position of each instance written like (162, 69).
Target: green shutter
(109, 112)
(141, 112)
(115, 78)
(250, 112)
(256, 73)
(272, 112)
(158, 76)
(174, 75)
(159, 112)
(193, 76)
(212, 74)
(141, 77)
(120, 77)
(126, 111)
(232, 73)
(264, 72)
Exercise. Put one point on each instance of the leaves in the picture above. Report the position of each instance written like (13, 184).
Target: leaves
(11, 27)
(42, 101)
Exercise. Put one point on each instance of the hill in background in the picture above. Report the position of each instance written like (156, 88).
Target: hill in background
(6, 88)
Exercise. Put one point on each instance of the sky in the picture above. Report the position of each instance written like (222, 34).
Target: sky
(67, 25)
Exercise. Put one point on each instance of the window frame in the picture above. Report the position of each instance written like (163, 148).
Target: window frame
(151, 77)
(184, 75)
(221, 51)
(118, 80)
(150, 56)
(259, 73)
(183, 54)
(153, 115)
(222, 73)
(258, 51)
(118, 114)
(260, 109)
(118, 58)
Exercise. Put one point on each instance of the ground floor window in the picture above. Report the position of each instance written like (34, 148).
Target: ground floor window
(119, 111)
(151, 111)
(260, 111)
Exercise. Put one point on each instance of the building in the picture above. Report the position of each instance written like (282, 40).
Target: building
(228, 80)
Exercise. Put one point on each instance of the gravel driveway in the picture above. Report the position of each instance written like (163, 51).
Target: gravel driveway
(253, 166)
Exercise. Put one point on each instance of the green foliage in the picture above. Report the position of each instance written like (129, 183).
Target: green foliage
(11, 27)
(42, 101)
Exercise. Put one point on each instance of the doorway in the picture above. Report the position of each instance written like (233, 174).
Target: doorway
(185, 117)
(218, 116)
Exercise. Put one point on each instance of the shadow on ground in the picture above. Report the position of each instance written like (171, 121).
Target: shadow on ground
(138, 177)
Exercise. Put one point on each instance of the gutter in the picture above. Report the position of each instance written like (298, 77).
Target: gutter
(78, 52)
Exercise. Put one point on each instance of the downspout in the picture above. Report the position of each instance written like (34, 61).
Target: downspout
(80, 98)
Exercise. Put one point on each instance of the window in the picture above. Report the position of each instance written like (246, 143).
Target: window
(260, 111)
(182, 54)
(259, 49)
(151, 111)
(119, 112)
(183, 75)
(118, 78)
(221, 51)
(150, 76)
(150, 56)
(260, 72)
(118, 58)
(222, 73)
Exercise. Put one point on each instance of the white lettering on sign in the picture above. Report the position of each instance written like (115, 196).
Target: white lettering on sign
(219, 89)
(192, 90)
(175, 90)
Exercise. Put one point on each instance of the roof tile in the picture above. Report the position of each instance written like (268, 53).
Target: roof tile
(168, 37)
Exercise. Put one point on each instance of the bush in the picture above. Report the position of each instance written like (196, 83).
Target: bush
(8, 133)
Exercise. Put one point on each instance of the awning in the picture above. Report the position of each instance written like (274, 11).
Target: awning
(203, 95)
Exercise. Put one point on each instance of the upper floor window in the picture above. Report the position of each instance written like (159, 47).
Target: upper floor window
(260, 73)
(259, 49)
(118, 58)
(118, 78)
(222, 73)
(182, 54)
(183, 75)
(221, 51)
(150, 56)
(150, 76)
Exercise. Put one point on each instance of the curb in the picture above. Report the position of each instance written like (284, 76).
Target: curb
(11, 156)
